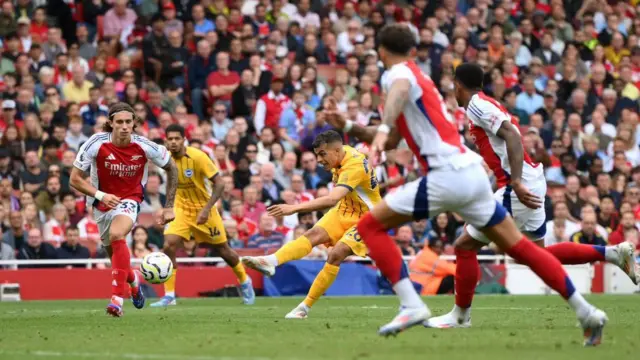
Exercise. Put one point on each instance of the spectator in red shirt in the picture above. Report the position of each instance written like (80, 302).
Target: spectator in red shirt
(253, 208)
(270, 106)
(627, 222)
(246, 227)
(223, 82)
(39, 27)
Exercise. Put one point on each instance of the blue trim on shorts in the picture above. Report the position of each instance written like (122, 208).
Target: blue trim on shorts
(539, 233)
(421, 202)
(506, 199)
(498, 215)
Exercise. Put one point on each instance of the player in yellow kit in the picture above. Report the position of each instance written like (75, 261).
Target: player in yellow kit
(196, 214)
(355, 192)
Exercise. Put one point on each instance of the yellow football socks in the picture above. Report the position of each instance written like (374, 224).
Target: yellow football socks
(294, 250)
(240, 272)
(321, 283)
(170, 285)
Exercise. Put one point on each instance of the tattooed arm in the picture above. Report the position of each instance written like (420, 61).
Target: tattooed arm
(172, 185)
(218, 188)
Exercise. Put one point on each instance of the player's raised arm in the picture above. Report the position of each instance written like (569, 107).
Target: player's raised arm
(336, 194)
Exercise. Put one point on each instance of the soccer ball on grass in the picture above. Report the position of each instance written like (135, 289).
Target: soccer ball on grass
(156, 268)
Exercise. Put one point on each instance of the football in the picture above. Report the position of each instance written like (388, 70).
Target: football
(156, 268)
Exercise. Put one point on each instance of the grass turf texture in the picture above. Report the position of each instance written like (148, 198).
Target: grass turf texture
(504, 327)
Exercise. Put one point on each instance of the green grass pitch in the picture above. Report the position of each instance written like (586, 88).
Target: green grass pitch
(504, 327)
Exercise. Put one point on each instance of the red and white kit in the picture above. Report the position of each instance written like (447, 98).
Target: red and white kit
(455, 179)
(486, 116)
(121, 171)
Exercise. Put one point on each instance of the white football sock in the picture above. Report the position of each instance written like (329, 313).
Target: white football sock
(611, 254)
(170, 293)
(579, 305)
(407, 294)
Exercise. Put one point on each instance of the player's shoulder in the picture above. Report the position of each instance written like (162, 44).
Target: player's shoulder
(145, 143)
(398, 71)
(196, 154)
(97, 140)
(484, 104)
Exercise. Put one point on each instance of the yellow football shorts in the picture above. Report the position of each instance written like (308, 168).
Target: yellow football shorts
(343, 229)
(184, 225)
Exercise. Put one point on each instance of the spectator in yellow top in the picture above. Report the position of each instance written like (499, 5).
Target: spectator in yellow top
(616, 51)
(77, 90)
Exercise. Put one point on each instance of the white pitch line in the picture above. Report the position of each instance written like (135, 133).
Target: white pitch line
(130, 356)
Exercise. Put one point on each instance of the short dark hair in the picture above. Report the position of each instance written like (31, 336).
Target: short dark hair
(64, 194)
(397, 39)
(175, 128)
(470, 76)
(71, 228)
(327, 137)
(50, 143)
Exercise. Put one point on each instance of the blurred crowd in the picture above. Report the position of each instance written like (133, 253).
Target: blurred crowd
(247, 79)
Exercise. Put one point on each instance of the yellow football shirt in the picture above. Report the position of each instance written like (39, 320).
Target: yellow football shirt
(356, 175)
(195, 169)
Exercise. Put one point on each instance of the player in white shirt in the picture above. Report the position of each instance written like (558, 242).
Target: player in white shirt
(117, 162)
(455, 181)
(521, 190)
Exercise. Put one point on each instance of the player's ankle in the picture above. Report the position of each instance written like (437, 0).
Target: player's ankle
(272, 259)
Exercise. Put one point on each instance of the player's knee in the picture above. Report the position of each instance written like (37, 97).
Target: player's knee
(338, 254)
(116, 234)
(317, 236)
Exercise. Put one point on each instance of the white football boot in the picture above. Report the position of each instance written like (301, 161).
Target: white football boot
(456, 318)
(259, 263)
(626, 260)
(592, 326)
(299, 312)
(407, 318)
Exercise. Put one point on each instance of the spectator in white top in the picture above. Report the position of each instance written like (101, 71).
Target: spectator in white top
(438, 36)
(599, 127)
(529, 100)
(347, 39)
(560, 222)
(75, 137)
(53, 230)
(305, 17)
(24, 25)
(522, 53)
(220, 122)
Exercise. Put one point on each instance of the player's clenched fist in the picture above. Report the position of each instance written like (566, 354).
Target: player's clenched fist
(280, 210)
(167, 216)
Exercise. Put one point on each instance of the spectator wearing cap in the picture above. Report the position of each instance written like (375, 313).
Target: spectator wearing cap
(222, 82)
(270, 107)
(23, 33)
(77, 90)
(172, 23)
(118, 18)
(200, 66)
(529, 100)
(9, 112)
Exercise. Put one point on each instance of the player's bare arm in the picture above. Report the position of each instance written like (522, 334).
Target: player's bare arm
(513, 141)
(172, 184)
(395, 101)
(78, 180)
(218, 188)
(336, 194)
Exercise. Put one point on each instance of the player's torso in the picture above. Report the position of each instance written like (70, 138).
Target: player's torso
(493, 149)
(193, 188)
(121, 170)
(426, 125)
(363, 196)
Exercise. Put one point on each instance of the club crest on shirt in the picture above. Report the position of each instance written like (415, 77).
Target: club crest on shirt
(188, 173)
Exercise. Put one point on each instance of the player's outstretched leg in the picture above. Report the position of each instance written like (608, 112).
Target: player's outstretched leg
(622, 255)
(323, 281)
(233, 260)
(171, 242)
(294, 250)
(383, 250)
(507, 236)
(466, 279)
